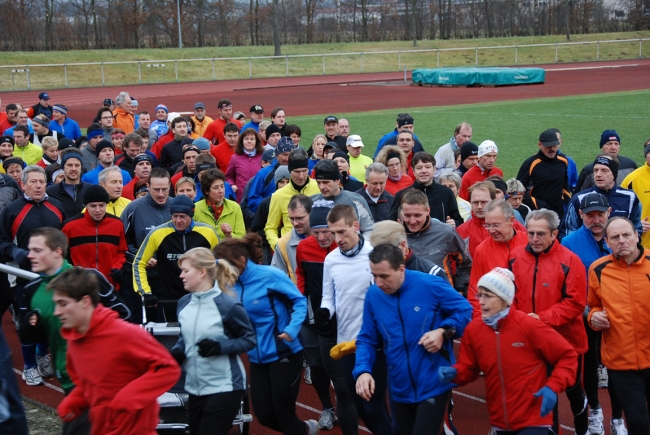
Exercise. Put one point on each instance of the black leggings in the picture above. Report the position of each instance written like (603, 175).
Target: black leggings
(427, 416)
(534, 430)
(632, 387)
(274, 390)
(319, 379)
(577, 399)
(213, 414)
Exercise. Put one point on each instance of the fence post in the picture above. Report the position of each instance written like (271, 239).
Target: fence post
(476, 57)
(404, 73)
(65, 74)
(399, 60)
(103, 74)
(362, 61)
(29, 79)
(286, 65)
(556, 46)
(214, 77)
(438, 58)
(323, 64)
(598, 50)
(640, 48)
(250, 67)
(516, 55)
(140, 72)
(176, 70)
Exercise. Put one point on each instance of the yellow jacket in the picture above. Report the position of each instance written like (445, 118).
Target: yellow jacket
(231, 215)
(639, 182)
(279, 209)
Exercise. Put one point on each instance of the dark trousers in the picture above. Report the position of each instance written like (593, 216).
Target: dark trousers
(213, 414)
(346, 410)
(78, 426)
(423, 417)
(592, 361)
(274, 390)
(12, 413)
(632, 388)
(535, 430)
(319, 379)
(374, 411)
(6, 293)
(577, 400)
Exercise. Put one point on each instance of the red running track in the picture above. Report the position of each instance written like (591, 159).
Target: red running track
(315, 95)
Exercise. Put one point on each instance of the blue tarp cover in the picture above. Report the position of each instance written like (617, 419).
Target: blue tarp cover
(478, 76)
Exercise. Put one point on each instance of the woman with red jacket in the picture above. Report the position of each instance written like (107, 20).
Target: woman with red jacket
(514, 350)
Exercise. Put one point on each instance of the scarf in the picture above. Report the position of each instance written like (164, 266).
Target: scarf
(216, 209)
(395, 179)
(493, 320)
(354, 251)
(250, 153)
(452, 141)
(48, 161)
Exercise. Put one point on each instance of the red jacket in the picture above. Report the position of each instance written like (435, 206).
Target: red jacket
(474, 175)
(157, 147)
(553, 285)
(119, 371)
(514, 362)
(100, 246)
(214, 131)
(488, 255)
(393, 187)
(473, 232)
(222, 153)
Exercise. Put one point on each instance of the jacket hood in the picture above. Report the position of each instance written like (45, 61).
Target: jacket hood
(101, 319)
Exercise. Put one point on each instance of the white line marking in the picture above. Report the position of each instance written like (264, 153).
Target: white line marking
(47, 384)
(591, 67)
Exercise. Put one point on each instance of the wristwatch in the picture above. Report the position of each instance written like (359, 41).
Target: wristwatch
(450, 332)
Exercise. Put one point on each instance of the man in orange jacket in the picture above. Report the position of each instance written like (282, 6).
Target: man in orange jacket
(123, 114)
(620, 302)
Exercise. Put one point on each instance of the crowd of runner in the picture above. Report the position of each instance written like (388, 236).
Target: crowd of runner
(325, 265)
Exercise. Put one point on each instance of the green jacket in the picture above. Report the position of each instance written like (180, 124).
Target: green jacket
(231, 214)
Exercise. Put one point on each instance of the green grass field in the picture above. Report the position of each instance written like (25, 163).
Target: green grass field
(53, 77)
(514, 126)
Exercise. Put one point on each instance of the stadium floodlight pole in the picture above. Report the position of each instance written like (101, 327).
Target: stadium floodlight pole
(180, 35)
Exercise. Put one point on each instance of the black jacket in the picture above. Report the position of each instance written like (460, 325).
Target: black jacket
(381, 209)
(441, 201)
(546, 179)
(71, 205)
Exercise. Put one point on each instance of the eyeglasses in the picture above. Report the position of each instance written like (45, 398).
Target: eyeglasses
(492, 226)
(479, 202)
(538, 234)
(298, 218)
(485, 296)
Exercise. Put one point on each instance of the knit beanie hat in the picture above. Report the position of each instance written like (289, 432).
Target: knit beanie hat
(319, 211)
(501, 282)
(272, 129)
(327, 170)
(646, 150)
(201, 143)
(284, 145)
(611, 164)
(93, 134)
(65, 143)
(163, 107)
(95, 193)
(343, 154)
(468, 149)
(103, 144)
(282, 173)
(12, 161)
(486, 147)
(609, 135)
(71, 155)
(182, 204)
(142, 158)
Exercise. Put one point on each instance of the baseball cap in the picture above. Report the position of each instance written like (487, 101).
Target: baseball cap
(268, 155)
(594, 201)
(548, 138)
(108, 102)
(43, 96)
(199, 106)
(331, 118)
(257, 109)
(330, 145)
(354, 141)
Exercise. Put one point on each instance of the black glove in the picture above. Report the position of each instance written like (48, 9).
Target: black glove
(19, 254)
(322, 316)
(179, 354)
(24, 320)
(116, 274)
(149, 300)
(209, 347)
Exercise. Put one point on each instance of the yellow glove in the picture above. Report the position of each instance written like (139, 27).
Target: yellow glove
(342, 349)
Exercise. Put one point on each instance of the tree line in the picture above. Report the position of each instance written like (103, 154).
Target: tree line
(33, 25)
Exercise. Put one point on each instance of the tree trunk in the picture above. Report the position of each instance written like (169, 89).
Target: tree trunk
(251, 20)
(568, 20)
(338, 20)
(276, 29)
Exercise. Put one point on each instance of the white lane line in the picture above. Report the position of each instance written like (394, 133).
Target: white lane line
(47, 384)
(578, 68)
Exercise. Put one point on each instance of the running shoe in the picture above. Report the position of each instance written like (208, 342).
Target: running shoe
(44, 364)
(32, 377)
(618, 427)
(312, 427)
(307, 375)
(327, 419)
(596, 422)
(603, 377)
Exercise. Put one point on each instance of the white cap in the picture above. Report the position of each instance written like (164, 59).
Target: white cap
(354, 140)
(501, 282)
(487, 146)
(172, 115)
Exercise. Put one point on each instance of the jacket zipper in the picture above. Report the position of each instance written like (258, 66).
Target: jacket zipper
(503, 383)
(408, 356)
(535, 282)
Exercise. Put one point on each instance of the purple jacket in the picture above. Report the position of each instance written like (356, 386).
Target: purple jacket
(241, 169)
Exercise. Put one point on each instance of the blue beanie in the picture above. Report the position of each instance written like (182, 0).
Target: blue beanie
(182, 204)
(201, 143)
(609, 135)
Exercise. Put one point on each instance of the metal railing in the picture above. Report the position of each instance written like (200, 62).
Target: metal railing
(87, 74)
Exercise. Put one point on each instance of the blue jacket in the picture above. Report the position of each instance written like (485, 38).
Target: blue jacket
(262, 186)
(255, 126)
(623, 202)
(274, 305)
(423, 303)
(388, 136)
(69, 129)
(216, 316)
(583, 244)
(92, 177)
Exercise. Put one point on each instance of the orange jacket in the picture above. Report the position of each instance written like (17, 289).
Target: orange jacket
(622, 291)
(488, 255)
(123, 120)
